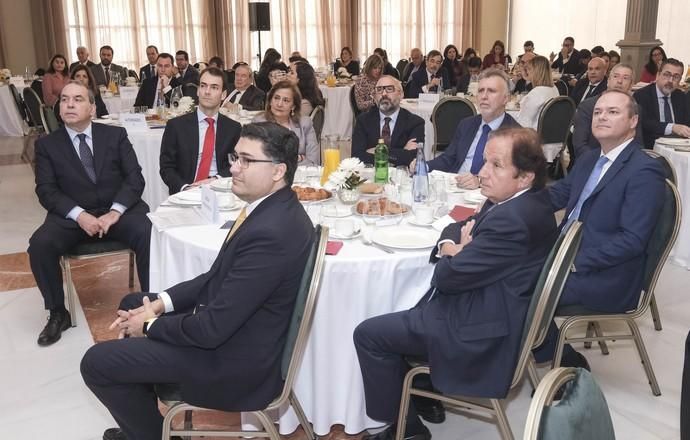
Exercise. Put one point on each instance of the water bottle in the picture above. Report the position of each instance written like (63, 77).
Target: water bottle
(439, 89)
(160, 104)
(381, 163)
(420, 180)
(175, 97)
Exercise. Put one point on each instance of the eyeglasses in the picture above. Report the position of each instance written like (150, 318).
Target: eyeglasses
(387, 89)
(244, 162)
(668, 75)
(277, 99)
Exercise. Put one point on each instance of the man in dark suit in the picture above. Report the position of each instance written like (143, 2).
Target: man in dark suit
(160, 85)
(102, 73)
(664, 107)
(83, 58)
(474, 67)
(399, 129)
(621, 78)
(195, 146)
(185, 73)
(568, 61)
(89, 181)
(433, 79)
(416, 63)
(469, 324)
(245, 93)
(149, 70)
(594, 84)
(465, 154)
(220, 336)
(617, 193)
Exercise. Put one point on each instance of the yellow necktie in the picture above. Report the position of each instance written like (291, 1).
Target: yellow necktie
(236, 225)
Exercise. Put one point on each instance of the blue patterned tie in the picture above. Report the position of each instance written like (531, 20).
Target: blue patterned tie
(592, 182)
(86, 157)
(478, 158)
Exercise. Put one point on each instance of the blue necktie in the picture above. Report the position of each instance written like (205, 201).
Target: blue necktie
(478, 158)
(86, 157)
(592, 182)
(668, 116)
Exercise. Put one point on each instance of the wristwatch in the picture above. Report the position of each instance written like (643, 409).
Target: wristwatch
(147, 325)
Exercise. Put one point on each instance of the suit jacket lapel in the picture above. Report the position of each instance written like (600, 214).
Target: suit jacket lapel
(100, 149)
(399, 126)
(654, 101)
(220, 138)
(466, 142)
(615, 167)
(579, 184)
(193, 140)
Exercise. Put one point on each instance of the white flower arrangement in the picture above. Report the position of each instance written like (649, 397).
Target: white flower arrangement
(343, 73)
(185, 105)
(5, 75)
(347, 176)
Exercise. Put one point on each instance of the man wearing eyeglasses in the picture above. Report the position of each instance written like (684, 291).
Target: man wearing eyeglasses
(221, 335)
(399, 128)
(196, 145)
(664, 107)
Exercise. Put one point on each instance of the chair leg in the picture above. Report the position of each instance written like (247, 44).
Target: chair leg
(502, 420)
(269, 426)
(655, 313)
(131, 269)
(69, 290)
(404, 405)
(588, 334)
(187, 422)
(602, 344)
(644, 357)
(297, 407)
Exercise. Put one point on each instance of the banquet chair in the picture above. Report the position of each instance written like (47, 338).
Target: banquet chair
(554, 123)
(547, 290)
(317, 119)
(19, 102)
(133, 74)
(353, 103)
(659, 246)
(48, 119)
(37, 86)
(563, 88)
(582, 412)
(298, 333)
(191, 90)
(33, 105)
(85, 251)
(400, 67)
(445, 117)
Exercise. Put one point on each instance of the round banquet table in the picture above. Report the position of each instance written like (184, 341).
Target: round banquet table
(358, 283)
(680, 254)
(11, 123)
(338, 114)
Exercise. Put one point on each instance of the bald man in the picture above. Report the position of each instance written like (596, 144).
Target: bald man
(416, 63)
(593, 84)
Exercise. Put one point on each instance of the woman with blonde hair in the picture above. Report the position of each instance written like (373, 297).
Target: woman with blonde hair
(365, 84)
(538, 72)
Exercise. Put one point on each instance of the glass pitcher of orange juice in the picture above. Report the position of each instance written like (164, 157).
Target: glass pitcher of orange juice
(331, 158)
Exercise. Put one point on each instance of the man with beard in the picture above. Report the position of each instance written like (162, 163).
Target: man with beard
(102, 72)
(399, 129)
(433, 79)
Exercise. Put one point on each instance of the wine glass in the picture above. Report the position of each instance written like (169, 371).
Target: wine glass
(371, 217)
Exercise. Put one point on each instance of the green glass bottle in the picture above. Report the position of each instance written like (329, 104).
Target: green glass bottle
(381, 162)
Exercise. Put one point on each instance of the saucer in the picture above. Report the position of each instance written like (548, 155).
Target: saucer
(413, 221)
(335, 235)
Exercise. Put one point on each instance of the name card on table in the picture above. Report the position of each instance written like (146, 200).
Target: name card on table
(429, 98)
(129, 92)
(134, 121)
(209, 205)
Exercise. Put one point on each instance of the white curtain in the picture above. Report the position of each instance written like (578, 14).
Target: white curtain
(671, 28)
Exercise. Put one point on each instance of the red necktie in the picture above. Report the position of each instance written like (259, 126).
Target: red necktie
(207, 153)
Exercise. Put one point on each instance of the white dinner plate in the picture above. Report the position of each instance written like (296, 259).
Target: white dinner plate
(186, 198)
(406, 238)
(223, 185)
(680, 142)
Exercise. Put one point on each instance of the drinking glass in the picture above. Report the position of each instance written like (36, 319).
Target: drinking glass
(331, 159)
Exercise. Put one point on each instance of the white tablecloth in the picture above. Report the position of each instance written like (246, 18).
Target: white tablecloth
(680, 254)
(358, 283)
(11, 123)
(117, 104)
(338, 115)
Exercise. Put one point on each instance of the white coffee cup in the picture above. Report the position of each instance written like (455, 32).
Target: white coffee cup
(424, 214)
(344, 227)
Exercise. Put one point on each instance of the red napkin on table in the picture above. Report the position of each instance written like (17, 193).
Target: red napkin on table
(460, 213)
(333, 247)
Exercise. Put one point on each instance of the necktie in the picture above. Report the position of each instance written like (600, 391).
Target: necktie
(234, 97)
(207, 152)
(386, 131)
(86, 157)
(589, 91)
(152, 71)
(587, 190)
(478, 158)
(668, 116)
(236, 225)
(107, 75)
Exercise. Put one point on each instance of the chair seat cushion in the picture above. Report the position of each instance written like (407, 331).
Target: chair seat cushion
(97, 247)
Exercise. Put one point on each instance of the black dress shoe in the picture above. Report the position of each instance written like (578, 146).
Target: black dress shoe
(58, 322)
(114, 434)
(572, 358)
(389, 434)
(431, 410)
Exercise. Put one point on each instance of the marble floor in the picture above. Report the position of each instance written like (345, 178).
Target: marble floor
(43, 395)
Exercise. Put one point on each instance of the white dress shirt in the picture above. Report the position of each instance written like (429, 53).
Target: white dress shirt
(467, 164)
(660, 101)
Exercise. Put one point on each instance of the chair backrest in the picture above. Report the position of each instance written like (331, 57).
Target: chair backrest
(546, 294)
(19, 102)
(133, 74)
(190, 89)
(33, 105)
(37, 87)
(400, 67)
(353, 102)
(49, 120)
(582, 413)
(660, 243)
(303, 314)
(445, 117)
(555, 118)
(562, 87)
(665, 164)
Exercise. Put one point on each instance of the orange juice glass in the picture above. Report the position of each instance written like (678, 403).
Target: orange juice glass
(331, 161)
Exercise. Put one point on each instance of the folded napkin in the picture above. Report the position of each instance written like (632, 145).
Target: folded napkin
(460, 213)
(333, 247)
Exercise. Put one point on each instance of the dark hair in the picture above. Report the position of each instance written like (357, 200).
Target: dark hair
(528, 43)
(449, 64)
(238, 64)
(613, 53)
(271, 57)
(152, 46)
(373, 62)
(527, 154)
(92, 81)
(448, 48)
(651, 65)
(382, 53)
(40, 72)
(585, 53)
(598, 50)
(571, 39)
(500, 44)
(214, 71)
(277, 142)
(166, 55)
(672, 62)
(51, 69)
(218, 61)
(474, 62)
(433, 53)
(298, 59)
(106, 47)
(308, 85)
(183, 53)
(296, 100)
(344, 49)
(469, 51)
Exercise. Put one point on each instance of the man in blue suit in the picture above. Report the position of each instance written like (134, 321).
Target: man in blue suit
(616, 192)
(464, 155)
(469, 324)
(432, 79)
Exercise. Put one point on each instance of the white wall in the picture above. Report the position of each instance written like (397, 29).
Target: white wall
(672, 28)
(16, 23)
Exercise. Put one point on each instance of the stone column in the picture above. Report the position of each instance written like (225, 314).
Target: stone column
(640, 33)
